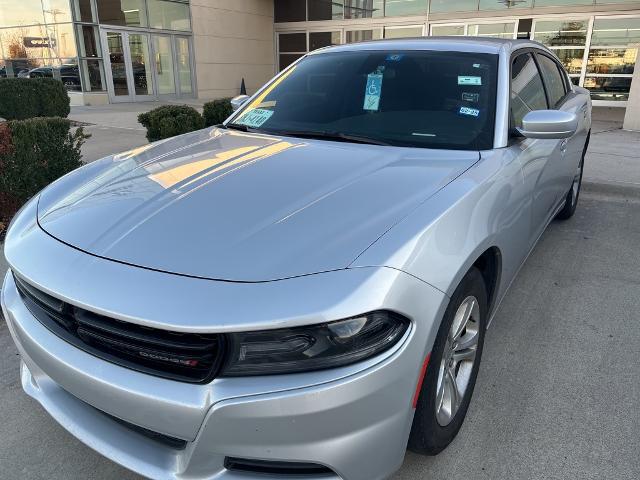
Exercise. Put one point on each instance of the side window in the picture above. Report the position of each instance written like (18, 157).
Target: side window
(527, 91)
(556, 87)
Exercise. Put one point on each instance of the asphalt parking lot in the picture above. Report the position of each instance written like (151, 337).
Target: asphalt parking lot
(558, 395)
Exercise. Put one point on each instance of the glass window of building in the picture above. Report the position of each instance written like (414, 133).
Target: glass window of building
(29, 13)
(324, 9)
(323, 39)
(353, 36)
(561, 33)
(291, 46)
(567, 39)
(448, 30)
(527, 91)
(404, 31)
(440, 6)
(498, 30)
(126, 13)
(168, 15)
(92, 75)
(289, 10)
(552, 79)
(51, 42)
(400, 8)
(363, 8)
(572, 59)
(612, 57)
(504, 4)
(88, 42)
(56, 11)
(83, 11)
(615, 31)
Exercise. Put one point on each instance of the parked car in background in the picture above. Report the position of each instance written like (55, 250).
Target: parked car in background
(68, 74)
(303, 291)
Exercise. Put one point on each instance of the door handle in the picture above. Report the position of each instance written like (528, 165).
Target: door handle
(584, 111)
(563, 146)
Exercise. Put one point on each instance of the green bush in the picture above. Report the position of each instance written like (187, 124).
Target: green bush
(34, 153)
(170, 120)
(22, 98)
(217, 111)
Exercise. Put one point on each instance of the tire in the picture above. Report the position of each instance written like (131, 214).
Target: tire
(430, 432)
(571, 200)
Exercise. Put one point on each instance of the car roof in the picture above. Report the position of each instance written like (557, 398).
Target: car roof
(459, 44)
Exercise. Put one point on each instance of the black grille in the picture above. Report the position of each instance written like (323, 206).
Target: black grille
(172, 442)
(187, 357)
(281, 469)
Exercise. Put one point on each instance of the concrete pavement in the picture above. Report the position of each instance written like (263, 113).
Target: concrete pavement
(557, 396)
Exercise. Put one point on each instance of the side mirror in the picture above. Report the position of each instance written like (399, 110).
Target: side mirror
(553, 124)
(238, 101)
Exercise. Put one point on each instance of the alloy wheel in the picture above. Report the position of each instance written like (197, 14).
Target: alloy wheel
(458, 359)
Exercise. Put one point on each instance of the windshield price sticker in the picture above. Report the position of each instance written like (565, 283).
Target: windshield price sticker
(255, 117)
(372, 92)
(469, 80)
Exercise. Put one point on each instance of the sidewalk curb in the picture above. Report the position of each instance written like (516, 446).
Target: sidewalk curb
(604, 187)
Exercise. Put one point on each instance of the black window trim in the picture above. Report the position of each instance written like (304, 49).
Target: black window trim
(568, 86)
(513, 133)
(563, 76)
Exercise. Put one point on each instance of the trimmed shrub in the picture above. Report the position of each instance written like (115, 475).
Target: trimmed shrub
(216, 112)
(34, 153)
(22, 98)
(170, 120)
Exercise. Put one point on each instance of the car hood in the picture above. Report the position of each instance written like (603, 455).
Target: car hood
(229, 205)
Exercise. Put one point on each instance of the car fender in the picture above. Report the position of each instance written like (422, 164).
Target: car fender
(486, 207)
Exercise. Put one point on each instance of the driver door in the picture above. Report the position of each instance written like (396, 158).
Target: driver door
(538, 157)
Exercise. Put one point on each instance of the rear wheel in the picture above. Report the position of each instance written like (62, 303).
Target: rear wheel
(453, 368)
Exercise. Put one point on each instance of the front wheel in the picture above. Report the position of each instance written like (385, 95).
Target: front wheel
(453, 368)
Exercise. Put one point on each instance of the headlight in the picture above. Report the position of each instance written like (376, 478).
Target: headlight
(313, 347)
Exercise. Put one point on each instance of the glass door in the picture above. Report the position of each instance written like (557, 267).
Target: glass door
(183, 60)
(128, 66)
(118, 83)
(164, 64)
(142, 82)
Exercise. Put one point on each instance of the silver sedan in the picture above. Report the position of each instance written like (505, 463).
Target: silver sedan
(304, 290)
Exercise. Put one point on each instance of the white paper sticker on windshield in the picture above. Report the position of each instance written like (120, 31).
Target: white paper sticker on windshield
(373, 91)
(469, 80)
(256, 117)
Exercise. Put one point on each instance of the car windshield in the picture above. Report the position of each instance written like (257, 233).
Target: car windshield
(430, 99)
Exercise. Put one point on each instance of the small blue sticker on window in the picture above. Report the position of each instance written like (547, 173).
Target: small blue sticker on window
(394, 57)
(372, 92)
(471, 112)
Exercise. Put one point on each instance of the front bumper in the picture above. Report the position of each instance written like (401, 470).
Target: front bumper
(354, 420)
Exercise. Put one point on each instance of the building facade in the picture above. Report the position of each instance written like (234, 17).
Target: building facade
(135, 50)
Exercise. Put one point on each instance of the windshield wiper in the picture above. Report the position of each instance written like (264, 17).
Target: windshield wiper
(236, 126)
(337, 136)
